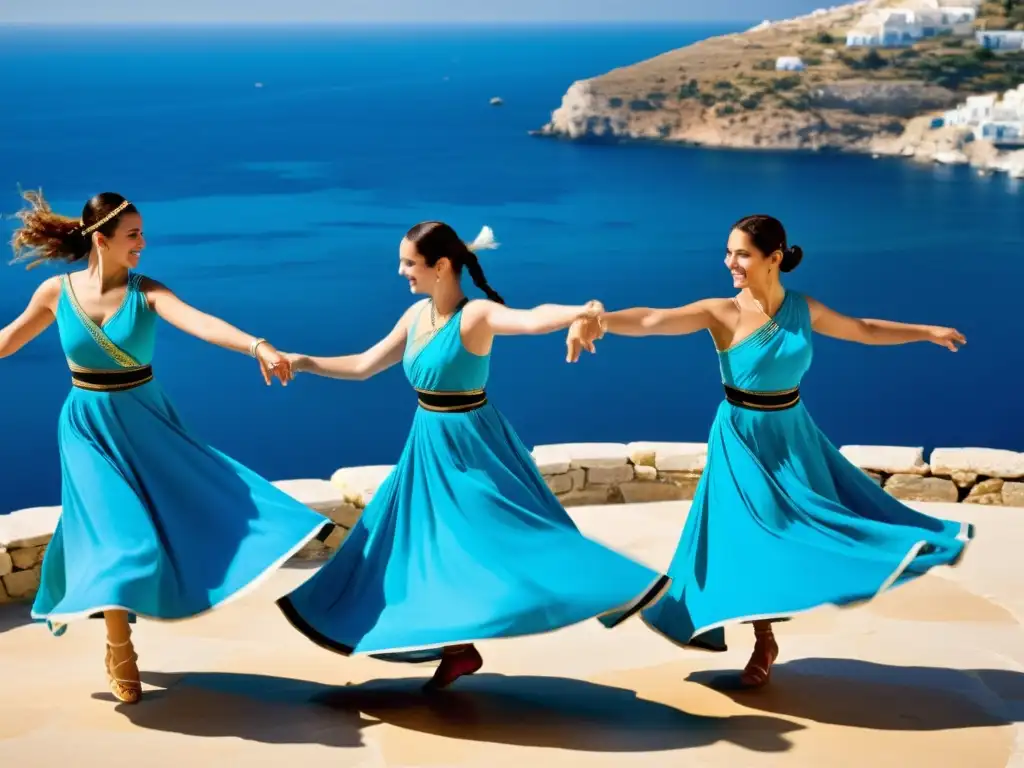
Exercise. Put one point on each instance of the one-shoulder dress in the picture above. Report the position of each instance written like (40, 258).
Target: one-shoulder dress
(154, 521)
(781, 522)
(463, 541)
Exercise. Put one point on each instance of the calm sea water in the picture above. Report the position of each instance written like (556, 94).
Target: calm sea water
(280, 208)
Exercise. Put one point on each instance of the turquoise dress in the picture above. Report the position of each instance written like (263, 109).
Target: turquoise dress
(463, 540)
(781, 522)
(154, 521)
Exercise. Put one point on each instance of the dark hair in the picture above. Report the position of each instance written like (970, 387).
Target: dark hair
(769, 236)
(435, 240)
(47, 236)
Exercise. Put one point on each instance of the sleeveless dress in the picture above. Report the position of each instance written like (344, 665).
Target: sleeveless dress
(781, 522)
(463, 541)
(154, 521)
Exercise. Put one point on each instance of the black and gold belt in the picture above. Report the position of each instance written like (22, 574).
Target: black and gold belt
(115, 380)
(452, 402)
(762, 401)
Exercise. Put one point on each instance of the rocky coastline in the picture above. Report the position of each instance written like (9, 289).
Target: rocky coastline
(729, 92)
(583, 474)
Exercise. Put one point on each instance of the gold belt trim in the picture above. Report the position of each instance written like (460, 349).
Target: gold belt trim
(762, 401)
(451, 402)
(118, 380)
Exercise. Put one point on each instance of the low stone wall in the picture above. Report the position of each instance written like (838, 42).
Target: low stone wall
(608, 473)
(579, 474)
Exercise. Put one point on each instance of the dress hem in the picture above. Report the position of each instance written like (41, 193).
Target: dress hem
(58, 621)
(647, 598)
(965, 535)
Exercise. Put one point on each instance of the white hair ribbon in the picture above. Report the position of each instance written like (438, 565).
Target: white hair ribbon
(484, 241)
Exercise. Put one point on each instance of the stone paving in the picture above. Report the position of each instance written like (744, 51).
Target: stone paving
(928, 675)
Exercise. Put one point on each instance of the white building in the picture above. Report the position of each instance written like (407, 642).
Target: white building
(1001, 40)
(891, 28)
(920, 19)
(1000, 120)
(790, 64)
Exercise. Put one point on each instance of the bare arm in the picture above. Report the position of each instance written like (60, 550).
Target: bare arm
(546, 318)
(378, 358)
(36, 318)
(828, 322)
(643, 321)
(190, 320)
(212, 329)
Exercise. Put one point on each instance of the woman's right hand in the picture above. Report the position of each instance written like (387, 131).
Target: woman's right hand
(950, 338)
(582, 335)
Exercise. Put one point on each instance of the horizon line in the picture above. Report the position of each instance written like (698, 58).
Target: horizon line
(361, 22)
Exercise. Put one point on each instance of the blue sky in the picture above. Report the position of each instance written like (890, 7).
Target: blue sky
(395, 11)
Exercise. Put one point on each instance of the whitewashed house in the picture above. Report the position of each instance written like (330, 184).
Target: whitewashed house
(918, 20)
(1001, 40)
(790, 64)
(975, 110)
(892, 28)
(1000, 121)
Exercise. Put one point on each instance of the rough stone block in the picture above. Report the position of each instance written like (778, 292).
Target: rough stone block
(918, 488)
(27, 558)
(623, 473)
(986, 492)
(559, 483)
(669, 457)
(987, 462)
(644, 473)
(1013, 494)
(887, 459)
(21, 585)
(590, 455)
(358, 484)
(638, 492)
(552, 459)
(28, 527)
(6, 563)
(609, 494)
(686, 480)
(964, 479)
(335, 539)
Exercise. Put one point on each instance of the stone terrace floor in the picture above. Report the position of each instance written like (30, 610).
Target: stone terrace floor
(929, 675)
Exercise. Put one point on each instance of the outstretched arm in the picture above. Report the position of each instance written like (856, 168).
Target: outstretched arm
(36, 318)
(378, 358)
(879, 332)
(212, 329)
(545, 318)
(643, 321)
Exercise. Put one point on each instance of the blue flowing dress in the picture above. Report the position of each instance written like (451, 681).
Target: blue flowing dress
(781, 522)
(463, 541)
(154, 521)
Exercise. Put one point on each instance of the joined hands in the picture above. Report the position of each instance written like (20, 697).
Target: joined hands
(584, 331)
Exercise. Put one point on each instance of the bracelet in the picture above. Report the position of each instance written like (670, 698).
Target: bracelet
(255, 345)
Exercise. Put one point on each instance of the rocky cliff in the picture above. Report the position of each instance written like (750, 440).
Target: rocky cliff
(726, 92)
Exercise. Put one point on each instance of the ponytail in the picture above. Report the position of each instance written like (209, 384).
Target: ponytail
(476, 273)
(47, 236)
(435, 240)
(484, 242)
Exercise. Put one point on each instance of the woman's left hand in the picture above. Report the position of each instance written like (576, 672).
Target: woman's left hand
(273, 364)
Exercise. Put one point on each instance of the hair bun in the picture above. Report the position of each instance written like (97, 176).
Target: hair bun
(791, 258)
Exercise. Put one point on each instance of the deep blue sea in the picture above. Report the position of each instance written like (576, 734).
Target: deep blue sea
(280, 208)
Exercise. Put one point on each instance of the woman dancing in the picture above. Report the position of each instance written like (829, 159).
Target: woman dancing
(780, 522)
(155, 523)
(463, 541)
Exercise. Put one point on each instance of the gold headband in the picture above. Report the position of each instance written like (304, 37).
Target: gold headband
(93, 227)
